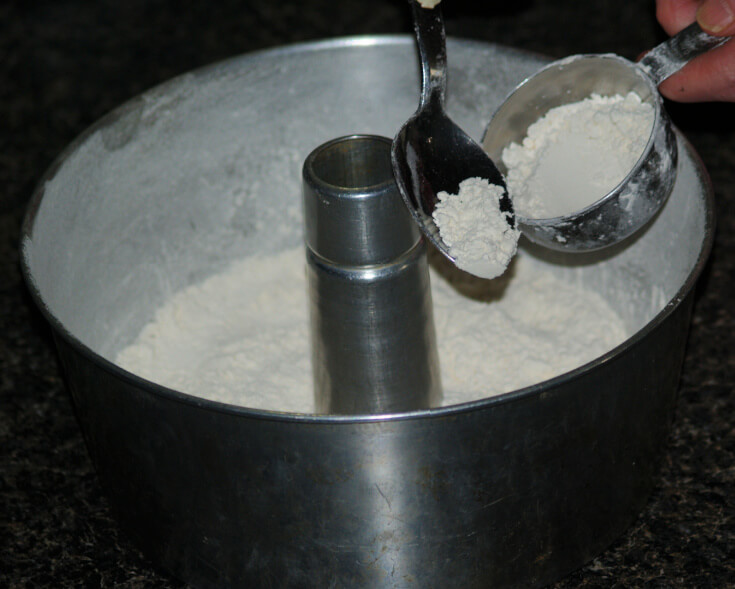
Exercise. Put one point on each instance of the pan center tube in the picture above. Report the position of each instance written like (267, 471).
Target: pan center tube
(372, 328)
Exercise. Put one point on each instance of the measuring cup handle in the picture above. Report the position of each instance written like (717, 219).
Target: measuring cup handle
(670, 56)
(431, 39)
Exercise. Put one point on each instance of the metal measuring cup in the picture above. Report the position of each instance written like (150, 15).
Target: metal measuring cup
(636, 199)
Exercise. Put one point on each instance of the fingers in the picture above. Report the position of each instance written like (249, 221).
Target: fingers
(674, 15)
(717, 17)
(709, 77)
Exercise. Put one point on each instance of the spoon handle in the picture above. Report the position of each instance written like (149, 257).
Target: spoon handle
(670, 56)
(431, 39)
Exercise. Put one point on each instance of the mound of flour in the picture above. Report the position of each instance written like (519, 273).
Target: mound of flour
(242, 336)
(474, 228)
(576, 153)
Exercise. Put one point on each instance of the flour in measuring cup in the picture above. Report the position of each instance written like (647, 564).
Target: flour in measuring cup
(577, 153)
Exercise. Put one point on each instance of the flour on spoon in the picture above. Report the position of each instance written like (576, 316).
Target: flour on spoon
(476, 231)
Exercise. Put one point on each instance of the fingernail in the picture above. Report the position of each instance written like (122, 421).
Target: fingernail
(715, 15)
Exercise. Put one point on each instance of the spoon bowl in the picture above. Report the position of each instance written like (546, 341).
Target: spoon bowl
(431, 154)
(615, 216)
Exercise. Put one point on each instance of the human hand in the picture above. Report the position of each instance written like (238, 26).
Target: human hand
(709, 77)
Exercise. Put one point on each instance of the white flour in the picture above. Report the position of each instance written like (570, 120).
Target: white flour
(474, 228)
(242, 336)
(576, 154)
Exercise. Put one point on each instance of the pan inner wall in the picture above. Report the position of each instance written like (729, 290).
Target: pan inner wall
(207, 169)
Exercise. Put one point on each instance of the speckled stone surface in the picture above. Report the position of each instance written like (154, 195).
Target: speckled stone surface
(64, 63)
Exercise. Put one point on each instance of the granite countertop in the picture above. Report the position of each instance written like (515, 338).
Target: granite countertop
(64, 63)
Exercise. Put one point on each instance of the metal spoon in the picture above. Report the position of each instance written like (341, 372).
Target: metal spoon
(632, 203)
(430, 153)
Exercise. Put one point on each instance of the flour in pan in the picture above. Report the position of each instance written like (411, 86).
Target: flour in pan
(242, 336)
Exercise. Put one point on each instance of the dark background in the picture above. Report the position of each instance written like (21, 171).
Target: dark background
(63, 64)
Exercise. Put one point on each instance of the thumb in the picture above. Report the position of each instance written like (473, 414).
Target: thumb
(717, 17)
